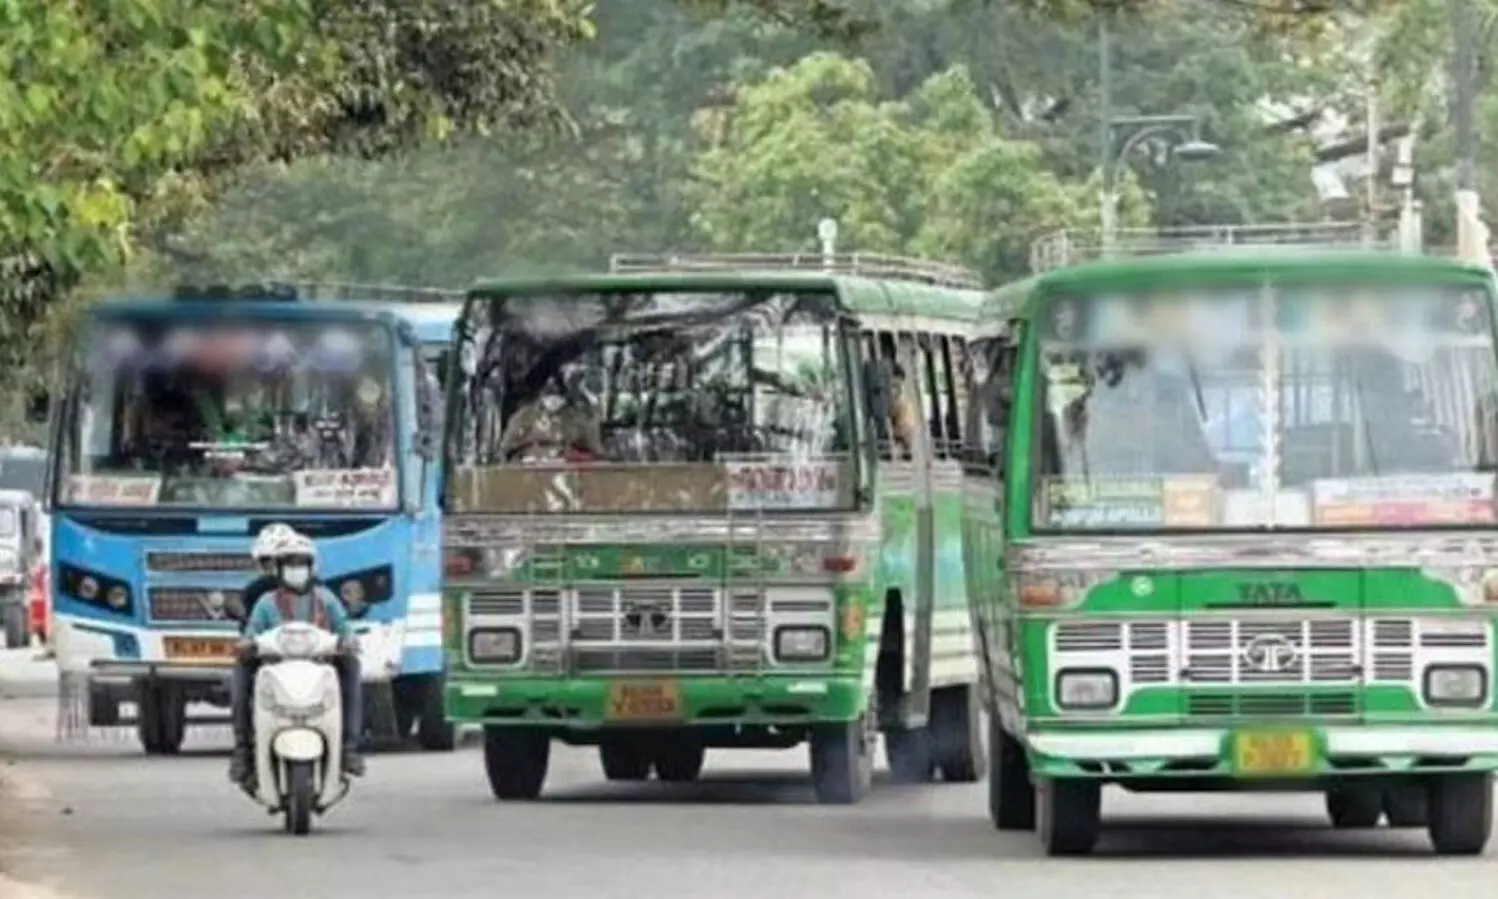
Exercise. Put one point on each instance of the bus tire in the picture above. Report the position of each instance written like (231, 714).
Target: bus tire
(434, 732)
(161, 719)
(1461, 812)
(1354, 806)
(515, 760)
(842, 765)
(624, 758)
(1011, 795)
(957, 734)
(1407, 804)
(1068, 815)
(678, 758)
(17, 626)
(910, 756)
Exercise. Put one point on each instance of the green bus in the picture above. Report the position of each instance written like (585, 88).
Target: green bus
(713, 502)
(1231, 526)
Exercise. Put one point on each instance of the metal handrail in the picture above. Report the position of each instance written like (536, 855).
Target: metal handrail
(869, 265)
(1064, 248)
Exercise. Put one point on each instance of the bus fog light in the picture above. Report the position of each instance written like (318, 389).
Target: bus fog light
(1079, 689)
(801, 644)
(1463, 686)
(494, 645)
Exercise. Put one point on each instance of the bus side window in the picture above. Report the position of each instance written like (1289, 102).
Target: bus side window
(913, 382)
(960, 368)
(946, 390)
(884, 386)
(990, 397)
(931, 396)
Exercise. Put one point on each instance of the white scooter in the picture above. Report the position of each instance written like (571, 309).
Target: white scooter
(298, 716)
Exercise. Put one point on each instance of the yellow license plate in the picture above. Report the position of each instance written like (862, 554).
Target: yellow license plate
(203, 650)
(1273, 752)
(645, 700)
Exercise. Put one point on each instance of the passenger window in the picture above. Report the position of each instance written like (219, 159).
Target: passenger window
(912, 382)
(990, 397)
(958, 374)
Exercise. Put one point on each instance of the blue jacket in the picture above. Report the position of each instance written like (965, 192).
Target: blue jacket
(318, 606)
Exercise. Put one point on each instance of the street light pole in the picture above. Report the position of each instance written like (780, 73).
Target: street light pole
(1186, 128)
(1107, 199)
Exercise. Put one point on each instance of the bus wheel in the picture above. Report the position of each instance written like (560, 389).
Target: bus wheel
(957, 731)
(516, 759)
(1354, 806)
(1068, 815)
(1011, 795)
(161, 719)
(1461, 812)
(1406, 805)
(842, 763)
(434, 732)
(624, 758)
(678, 758)
(909, 754)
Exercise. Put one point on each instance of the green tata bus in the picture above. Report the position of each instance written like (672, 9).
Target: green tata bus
(713, 502)
(1231, 525)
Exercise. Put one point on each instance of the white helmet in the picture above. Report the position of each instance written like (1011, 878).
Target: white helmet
(268, 542)
(295, 545)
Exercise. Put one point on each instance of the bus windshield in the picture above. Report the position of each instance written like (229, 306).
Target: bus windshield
(652, 402)
(251, 414)
(1285, 407)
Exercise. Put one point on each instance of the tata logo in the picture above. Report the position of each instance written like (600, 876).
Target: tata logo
(1271, 593)
(1269, 654)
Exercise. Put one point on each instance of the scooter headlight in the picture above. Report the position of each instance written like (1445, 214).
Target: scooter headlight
(296, 644)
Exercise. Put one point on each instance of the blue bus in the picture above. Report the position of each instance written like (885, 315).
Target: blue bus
(190, 423)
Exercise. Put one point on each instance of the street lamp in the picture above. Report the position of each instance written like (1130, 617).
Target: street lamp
(1187, 146)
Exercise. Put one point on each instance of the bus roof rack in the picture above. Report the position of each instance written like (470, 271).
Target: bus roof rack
(380, 293)
(868, 265)
(1063, 248)
(291, 292)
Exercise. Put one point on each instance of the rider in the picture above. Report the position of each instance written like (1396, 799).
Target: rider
(296, 597)
(264, 553)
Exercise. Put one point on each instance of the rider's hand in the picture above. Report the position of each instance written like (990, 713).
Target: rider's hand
(244, 649)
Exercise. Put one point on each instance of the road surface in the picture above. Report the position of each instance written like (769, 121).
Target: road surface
(99, 821)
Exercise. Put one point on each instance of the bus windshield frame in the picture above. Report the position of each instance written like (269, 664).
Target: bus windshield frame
(1405, 442)
(615, 367)
(300, 422)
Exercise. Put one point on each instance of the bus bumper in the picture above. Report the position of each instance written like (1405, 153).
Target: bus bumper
(1334, 750)
(586, 703)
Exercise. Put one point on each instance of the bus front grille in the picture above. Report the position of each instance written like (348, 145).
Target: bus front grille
(188, 603)
(190, 563)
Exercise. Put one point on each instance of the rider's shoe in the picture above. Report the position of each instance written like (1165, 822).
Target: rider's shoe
(353, 763)
(240, 769)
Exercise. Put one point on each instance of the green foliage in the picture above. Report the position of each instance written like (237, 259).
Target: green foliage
(926, 174)
(120, 118)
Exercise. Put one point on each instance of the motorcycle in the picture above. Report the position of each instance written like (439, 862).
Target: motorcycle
(298, 715)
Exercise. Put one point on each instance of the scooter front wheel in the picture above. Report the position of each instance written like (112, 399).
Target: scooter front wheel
(301, 788)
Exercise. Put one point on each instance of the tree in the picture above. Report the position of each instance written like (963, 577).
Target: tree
(929, 173)
(119, 117)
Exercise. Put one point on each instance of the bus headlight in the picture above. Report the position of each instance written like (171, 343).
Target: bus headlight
(1456, 686)
(117, 597)
(494, 645)
(1086, 689)
(801, 643)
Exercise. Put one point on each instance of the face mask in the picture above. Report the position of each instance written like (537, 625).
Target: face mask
(551, 403)
(296, 576)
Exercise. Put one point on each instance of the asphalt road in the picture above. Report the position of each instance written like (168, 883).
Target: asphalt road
(97, 820)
